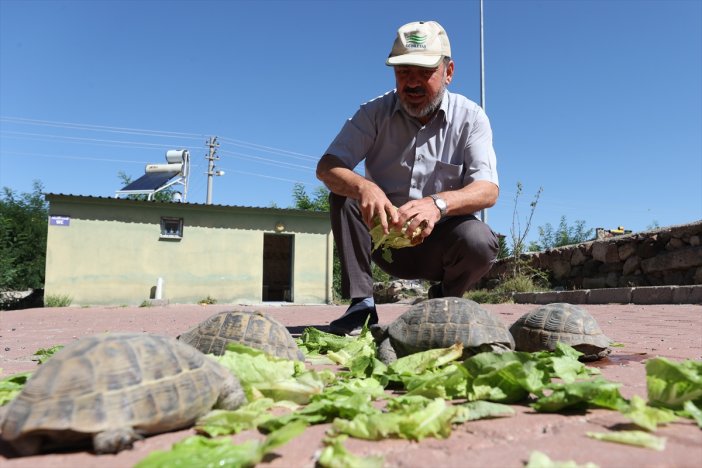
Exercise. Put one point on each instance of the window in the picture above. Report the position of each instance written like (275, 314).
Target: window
(171, 228)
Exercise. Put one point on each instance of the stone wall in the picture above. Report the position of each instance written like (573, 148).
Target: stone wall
(664, 256)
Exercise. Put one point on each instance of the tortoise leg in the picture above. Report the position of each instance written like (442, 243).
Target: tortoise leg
(386, 353)
(27, 445)
(115, 440)
(232, 395)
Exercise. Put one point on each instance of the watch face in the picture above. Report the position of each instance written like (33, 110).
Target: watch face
(441, 203)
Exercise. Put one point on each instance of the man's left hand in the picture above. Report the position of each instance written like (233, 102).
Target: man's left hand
(421, 213)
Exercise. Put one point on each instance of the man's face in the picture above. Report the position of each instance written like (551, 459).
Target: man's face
(421, 89)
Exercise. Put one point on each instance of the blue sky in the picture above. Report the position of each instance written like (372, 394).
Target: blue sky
(597, 102)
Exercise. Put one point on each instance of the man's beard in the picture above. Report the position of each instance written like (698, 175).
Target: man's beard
(419, 111)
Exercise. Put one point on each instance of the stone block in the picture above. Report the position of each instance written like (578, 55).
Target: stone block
(687, 295)
(605, 252)
(548, 297)
(578, 296)
(612, 279)
(523, 298)
(610, 296)
(679, 259)
(653, 295)
(560, 269)
(594, 283)
(694, 241)
(675, 244)
(578, 257)
(626, 250)
(631, 265)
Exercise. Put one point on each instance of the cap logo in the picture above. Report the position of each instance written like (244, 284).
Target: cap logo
(415, 40)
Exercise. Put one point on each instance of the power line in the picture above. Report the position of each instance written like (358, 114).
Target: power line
(268, 161)
(102, 128)
(270, 149)
(84, 139)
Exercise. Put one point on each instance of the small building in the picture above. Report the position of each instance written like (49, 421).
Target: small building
(110, 251)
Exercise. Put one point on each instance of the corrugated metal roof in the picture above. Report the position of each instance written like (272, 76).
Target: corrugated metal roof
(47, 196)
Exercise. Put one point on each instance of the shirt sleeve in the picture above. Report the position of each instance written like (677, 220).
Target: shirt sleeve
(480, 159)
(355, 139)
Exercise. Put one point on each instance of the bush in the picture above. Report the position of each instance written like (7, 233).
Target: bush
(57, 300)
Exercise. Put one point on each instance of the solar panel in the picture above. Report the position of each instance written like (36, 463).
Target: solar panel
(150, 181)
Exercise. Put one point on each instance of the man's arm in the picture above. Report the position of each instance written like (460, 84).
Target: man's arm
(343, 181)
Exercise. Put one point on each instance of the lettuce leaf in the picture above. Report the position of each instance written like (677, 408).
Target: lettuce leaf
(541, 460)
(694, 412)
(671, 384)
(474, 410)
(637, 438)
(11, 386)
(223, 422)
(202, 451)
(394, 239)
(645, 416)
(335, 455)
(434, 420)
(583, 394)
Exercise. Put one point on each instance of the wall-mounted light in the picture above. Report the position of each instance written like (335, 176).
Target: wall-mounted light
(279, 227)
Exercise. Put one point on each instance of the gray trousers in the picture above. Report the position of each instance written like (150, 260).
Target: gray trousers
(459, 251)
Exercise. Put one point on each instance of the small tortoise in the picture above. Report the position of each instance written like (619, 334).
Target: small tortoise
(440, 323)
(543, 327)
(251, 328)
(115, 389)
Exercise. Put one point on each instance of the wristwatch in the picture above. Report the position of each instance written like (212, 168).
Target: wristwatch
(440, 204)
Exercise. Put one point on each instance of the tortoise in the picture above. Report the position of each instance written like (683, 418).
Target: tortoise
(114, 389)
(543, 327)
(251, 328)
(440, 323)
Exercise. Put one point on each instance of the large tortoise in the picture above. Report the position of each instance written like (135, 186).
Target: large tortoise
(440, 323)
(543, 327)
(115, 389)
(251, 328)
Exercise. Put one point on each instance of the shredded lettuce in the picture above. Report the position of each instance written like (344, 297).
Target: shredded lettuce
(671, 384)
(645, 416)
(541, 460)
(202, 451)
(394, 239)
(637, 438)
(335, 455)
(11, 386)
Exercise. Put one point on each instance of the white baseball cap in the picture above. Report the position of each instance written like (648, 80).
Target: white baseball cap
(422, 43)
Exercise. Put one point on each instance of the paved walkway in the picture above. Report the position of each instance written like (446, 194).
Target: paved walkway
(672, 331)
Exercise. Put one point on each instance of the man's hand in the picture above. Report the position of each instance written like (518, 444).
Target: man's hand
(373, 202)
(421, 213)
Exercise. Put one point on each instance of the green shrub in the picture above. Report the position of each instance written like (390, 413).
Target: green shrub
(207, 300)
(57, 300)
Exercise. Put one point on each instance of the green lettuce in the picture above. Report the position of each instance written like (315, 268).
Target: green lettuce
(394, 239)
(43, 354)
(261, 374)
(315, 340)
(335, 455)
(541, 460)
(11, 386)
(637, 438)
(202, 451)
(645, 416)
(671, 384)
(694, 412)
(582, 394)
(223, 422)
(474, 410)
(434, 420)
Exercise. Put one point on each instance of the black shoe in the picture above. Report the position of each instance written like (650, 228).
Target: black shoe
(435, 291)
(351, 323)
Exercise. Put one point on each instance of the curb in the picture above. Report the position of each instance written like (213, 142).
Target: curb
(637, 295)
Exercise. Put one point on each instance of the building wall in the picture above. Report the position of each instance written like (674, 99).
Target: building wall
(110, 252)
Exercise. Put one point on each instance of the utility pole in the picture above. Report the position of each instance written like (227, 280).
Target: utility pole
(212, 155)
(483, 212)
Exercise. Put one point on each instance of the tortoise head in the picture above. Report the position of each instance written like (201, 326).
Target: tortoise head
(379, 332)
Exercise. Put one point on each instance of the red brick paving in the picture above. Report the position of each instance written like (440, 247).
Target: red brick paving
(672, 331)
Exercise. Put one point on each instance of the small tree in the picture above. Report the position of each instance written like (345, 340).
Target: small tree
(517, 233)
(23, 227)
(564, 235)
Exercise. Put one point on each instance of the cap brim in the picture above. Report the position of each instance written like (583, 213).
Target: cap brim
(418, 60)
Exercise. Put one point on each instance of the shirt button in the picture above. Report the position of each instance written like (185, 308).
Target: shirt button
(419, 157)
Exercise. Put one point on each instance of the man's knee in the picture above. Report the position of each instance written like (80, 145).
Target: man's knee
(477, 241)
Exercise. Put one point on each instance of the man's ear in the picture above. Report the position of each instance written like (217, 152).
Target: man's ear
(449, 72)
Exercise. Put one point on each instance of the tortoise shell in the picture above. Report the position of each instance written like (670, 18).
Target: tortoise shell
(543, 327)
(251, 328)
(116, 388)
(440, 323)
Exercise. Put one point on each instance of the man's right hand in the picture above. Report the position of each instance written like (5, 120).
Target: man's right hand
(373, 202)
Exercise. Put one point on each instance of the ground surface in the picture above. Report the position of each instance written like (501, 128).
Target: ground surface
(672, 331)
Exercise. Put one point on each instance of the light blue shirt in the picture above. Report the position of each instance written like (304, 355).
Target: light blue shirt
(408, 160)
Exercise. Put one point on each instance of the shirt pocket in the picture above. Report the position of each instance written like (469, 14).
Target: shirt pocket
(447, 176)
